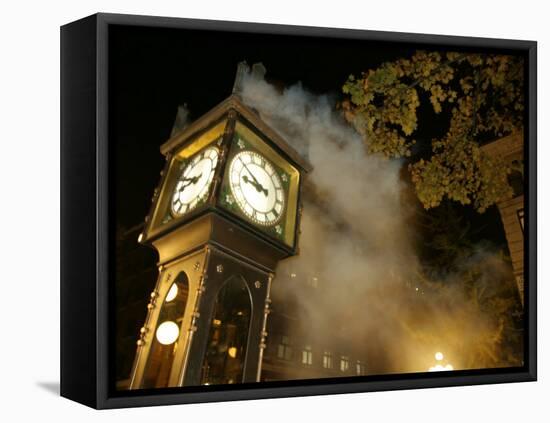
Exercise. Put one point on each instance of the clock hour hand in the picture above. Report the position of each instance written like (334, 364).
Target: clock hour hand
(259, 187)
(256, 185)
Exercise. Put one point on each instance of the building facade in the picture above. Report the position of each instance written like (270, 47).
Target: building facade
(296, 348)
(510, 148)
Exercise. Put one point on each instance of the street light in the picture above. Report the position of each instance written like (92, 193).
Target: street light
(439, 367)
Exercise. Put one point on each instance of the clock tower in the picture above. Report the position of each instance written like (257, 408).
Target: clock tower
(226, 211)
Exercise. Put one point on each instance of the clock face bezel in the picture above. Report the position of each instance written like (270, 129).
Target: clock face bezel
(246, 137)
(190, 181)
(252, 177)
(162, 219)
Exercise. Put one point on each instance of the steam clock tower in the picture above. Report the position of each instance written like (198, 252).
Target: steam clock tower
(225, 212)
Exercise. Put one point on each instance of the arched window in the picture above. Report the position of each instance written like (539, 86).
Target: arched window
(164, 341)
(227, 340)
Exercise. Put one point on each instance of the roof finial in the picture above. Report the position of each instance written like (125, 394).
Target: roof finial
(258, 70)
(242, 69)
(181, 121)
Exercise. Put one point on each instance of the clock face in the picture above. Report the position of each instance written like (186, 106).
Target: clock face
(194, 182)
(256, 187)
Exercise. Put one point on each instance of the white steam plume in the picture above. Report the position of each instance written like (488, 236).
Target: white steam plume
(356, 242)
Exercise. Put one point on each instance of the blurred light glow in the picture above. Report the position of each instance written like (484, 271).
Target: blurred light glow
(172, 293)
(167, 332)
(232, 352)
(437, 368)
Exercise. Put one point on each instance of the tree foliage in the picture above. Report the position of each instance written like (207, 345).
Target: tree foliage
(482, 94)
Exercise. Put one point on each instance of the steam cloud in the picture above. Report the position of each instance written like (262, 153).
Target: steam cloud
(356, 242)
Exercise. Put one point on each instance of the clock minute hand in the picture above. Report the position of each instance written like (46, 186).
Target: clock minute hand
(248, 170)
(259, 187)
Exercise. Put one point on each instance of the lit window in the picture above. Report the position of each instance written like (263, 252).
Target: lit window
(284, 349)
(360, 367)
(327, 360)
(307, 356)
(521, 217)
(344, 363)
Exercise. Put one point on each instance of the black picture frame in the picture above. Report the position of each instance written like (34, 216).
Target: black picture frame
(86, 222)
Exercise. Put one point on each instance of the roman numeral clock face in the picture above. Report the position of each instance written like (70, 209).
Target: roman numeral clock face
(256, 187)
(194, 182)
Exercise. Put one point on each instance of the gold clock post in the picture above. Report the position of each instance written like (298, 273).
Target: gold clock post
(225, 213)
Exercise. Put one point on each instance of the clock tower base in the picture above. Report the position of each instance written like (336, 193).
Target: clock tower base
(221, 307)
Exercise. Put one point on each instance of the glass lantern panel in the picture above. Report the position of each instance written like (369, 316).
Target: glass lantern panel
(165, 339)
(228, 337)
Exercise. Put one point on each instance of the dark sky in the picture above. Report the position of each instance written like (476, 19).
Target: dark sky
(154, 70)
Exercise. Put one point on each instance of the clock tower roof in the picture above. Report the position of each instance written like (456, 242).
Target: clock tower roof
(235, 103)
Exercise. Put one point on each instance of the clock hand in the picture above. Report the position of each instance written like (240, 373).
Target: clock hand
(196, 178)
(259, 187)
(189, 181)
(184, 185)
(248, 170)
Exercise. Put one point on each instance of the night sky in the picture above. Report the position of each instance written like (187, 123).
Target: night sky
(154, 70)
